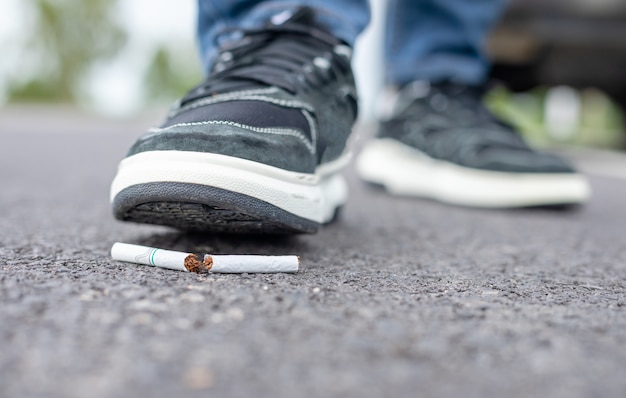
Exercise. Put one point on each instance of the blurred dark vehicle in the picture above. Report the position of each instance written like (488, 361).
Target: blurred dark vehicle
(580, 43)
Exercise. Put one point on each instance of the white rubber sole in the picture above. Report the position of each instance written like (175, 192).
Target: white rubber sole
(314, 197)
(403, 170)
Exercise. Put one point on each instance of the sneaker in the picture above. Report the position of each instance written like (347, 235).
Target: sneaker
(440, 142)
(257, 147)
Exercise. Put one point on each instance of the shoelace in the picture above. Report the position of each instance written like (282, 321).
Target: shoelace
(288, 56)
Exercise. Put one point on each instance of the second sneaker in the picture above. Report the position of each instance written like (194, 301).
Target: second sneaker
(440, 142)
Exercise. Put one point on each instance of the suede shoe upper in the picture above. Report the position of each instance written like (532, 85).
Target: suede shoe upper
(449, 122)
(283, 95)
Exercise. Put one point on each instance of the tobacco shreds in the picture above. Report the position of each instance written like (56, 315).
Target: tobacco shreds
(194, 265)
(207, 263)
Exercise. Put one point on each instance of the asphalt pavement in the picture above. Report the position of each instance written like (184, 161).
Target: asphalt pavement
(400, 298)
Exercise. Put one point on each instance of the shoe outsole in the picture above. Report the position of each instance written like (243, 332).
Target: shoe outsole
(199, 208)
(405, 171)
(215, 193)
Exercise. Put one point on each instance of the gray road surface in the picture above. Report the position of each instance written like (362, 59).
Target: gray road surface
(402, 298)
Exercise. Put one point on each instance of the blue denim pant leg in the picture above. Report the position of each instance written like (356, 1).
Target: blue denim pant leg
(438, 40)
(216, 19)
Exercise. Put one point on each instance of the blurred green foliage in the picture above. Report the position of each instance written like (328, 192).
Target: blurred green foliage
(170, 75)
(599, 121)
(68, 37)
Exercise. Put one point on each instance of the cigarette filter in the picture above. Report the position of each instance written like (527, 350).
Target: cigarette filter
(190, 262)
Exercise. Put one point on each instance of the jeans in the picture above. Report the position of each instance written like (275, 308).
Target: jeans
(433, 40)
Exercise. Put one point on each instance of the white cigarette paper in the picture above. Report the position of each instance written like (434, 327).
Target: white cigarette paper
(149, 256)
(189, 262)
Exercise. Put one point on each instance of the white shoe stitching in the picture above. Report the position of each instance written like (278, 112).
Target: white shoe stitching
(243, 95)
(312, 127)
(277, 131)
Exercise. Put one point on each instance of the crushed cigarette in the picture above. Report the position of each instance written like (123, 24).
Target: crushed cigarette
(189, 262)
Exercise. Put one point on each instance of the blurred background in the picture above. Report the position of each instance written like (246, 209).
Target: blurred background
(560, 66)
(108, 56)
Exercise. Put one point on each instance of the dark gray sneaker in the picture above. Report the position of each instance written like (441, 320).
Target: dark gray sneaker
(257, 147)
(440, 142)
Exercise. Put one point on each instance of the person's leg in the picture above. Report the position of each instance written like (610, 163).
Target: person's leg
(346, 19)
(258, 146)
(438, 139)
(438, 40)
